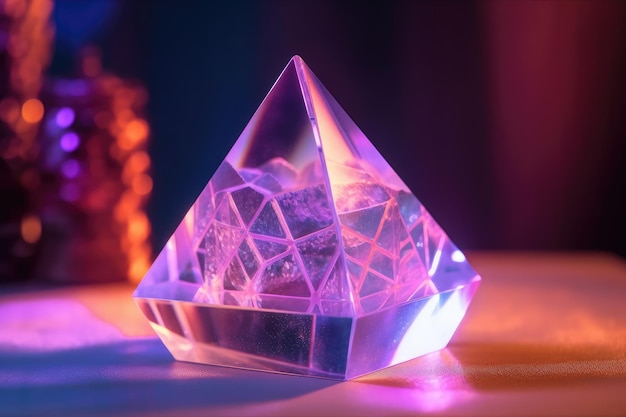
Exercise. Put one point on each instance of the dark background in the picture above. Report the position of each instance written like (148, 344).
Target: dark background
(506, 119)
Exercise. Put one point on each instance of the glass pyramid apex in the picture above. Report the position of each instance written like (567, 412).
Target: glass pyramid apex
(306, 253)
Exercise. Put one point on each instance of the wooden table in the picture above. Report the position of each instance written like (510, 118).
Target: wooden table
(546, 335)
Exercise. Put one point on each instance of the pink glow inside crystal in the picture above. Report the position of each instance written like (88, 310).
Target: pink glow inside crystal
(306, 253)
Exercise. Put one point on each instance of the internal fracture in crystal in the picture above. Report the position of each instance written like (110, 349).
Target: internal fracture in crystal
(306, 253)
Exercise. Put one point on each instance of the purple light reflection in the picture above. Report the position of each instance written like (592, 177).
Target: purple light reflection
(51, 325)
(432, 383)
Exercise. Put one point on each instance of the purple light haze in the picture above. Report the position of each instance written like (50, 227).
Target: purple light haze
(65, 117)
(69, 141)
(69, 192)
(70, 168)
(52, 324)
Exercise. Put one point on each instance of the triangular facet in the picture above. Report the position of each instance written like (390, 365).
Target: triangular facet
(268, 223)
(317, 253)
(305, 248)
(283, 276)
(269, 249)
(247, 201)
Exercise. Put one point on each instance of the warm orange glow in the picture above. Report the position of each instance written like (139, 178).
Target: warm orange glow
(127, 204)
(139, 161)
(138, 227)
(135, 132)
(137, 129)
(123, 116)
(139, 251)
(142, 184)
(130, 133)
(41, 9)
(32, 110)
(31, 229)
(123, 99)
(131, 201)
(139, 256)
(138, 268)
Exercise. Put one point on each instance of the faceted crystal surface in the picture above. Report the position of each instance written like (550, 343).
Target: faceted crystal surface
(306, 253)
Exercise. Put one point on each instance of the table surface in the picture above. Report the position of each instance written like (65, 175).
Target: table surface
(545, 335)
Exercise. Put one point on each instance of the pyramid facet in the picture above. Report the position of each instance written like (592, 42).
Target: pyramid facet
(306, 253)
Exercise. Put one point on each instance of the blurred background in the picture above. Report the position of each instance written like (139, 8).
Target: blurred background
(506, 119)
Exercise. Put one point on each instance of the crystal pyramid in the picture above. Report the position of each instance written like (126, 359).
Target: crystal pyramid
(306, 253)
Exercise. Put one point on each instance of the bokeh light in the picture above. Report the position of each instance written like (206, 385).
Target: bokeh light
(31, 229)
(69, 142)
(32, 110)
(70, 168)
(65, 117)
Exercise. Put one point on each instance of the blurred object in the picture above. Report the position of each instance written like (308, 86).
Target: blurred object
(515, 109)
(73, 162)
(558, 96)
(25, 45)
(94, 180)
(16, 253)
(26, 37)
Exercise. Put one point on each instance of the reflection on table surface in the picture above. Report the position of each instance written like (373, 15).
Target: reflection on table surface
(546, 335)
